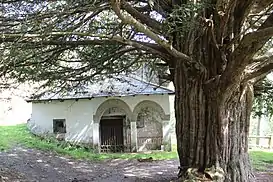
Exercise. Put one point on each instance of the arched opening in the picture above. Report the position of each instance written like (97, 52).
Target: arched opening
(149, 120)
(112, 130)
(149, 130)
(113, 117)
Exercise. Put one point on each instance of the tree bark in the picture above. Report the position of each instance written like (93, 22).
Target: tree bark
(212, 133)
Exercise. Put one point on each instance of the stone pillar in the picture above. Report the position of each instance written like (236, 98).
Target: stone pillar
(96, 136)
(133, 136)
(166, 126)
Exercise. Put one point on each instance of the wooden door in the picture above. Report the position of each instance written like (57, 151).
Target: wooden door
(111, 135)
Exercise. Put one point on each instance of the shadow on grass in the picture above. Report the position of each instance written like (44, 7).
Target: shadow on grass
(268, 161)
(19, 134)
(262, 160)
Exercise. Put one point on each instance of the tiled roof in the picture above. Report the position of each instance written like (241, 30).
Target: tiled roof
(118, 86)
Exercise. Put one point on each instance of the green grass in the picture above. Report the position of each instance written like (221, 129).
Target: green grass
(19, 134)
(261, 160)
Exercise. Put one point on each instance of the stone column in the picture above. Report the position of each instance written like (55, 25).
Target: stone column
(166, 126)
(133, 136)
(96, 136)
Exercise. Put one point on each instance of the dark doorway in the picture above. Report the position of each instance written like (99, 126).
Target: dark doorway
(111, 134)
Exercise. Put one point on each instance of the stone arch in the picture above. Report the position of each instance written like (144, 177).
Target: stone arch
(110, 104)
(150, 125)
(149, 104)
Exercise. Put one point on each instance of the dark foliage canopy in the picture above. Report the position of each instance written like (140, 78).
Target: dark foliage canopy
(63, 44)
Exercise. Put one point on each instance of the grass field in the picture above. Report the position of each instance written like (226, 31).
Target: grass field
(261, 160)
(19, 134)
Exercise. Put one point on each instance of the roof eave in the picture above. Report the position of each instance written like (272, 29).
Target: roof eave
(89, 98)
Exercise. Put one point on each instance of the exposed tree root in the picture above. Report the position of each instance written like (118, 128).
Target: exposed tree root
(212, 174)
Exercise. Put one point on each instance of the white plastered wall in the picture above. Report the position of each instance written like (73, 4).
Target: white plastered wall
(79, 114)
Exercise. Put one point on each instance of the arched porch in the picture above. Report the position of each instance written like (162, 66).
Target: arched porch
(117, 129)
(152, 127)
(111, 126)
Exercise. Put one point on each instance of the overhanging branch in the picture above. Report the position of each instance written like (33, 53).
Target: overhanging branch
(259, 67)
(155, 25)
(93, 39)
(260, 71)
(252, 42)
(261, 5)
(248, 47)
(253, 37)
(261, 59)
(128, 19)
(264, 70)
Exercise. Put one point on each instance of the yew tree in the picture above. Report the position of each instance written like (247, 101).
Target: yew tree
(211, 49)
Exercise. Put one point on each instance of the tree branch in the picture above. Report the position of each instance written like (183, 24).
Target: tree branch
(153, 24)
(261, 5)
(259, 67)
(128, 19)
(259, 72)
(251, 38)
(261, 59)
(94, 39)
(249, 45)
(253, 41)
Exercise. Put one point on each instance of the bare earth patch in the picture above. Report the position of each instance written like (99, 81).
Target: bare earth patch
(21, 164)
(265, 176)
(35, 165)
(8, 175)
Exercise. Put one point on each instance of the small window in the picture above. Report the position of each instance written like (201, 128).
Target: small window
(59, 126)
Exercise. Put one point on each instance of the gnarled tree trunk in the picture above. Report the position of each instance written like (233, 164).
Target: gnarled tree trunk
(212, 132)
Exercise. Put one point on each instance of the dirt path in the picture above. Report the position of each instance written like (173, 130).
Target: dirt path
(30, 165)
(40, 166)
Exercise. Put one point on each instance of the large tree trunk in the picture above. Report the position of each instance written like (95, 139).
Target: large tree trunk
(212, 133)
